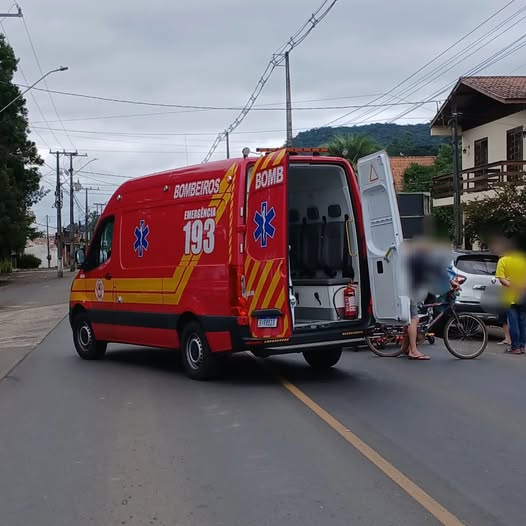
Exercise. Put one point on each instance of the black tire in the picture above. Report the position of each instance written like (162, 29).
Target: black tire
(323, 359)
(384, 342)
(84, 339)
(198, 360)
(470, 331)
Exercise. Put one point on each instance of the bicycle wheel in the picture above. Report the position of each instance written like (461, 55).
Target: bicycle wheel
(465, 336)
(386, 341)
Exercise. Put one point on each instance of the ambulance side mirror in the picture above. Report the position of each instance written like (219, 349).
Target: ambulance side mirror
(80, 257)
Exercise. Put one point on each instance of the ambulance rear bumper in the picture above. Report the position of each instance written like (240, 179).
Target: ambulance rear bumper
(320, 338)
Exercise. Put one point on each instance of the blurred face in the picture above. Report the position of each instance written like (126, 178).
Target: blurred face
(499, 245)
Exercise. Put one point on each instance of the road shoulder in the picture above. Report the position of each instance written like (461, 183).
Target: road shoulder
(23, 330)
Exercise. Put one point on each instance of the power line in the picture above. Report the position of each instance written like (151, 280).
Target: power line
(19, 67)
(496, 57)
(413, 75)
(44, 79)
(149, 114)
(451, 63)
(100, 181)
(276, 60)
(465, 57)
(106, 174)
(43, 224)
(263, 107)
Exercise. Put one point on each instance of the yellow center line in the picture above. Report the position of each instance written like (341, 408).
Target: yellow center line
(436, 509)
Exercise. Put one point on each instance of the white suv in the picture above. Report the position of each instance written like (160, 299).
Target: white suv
(476, 272)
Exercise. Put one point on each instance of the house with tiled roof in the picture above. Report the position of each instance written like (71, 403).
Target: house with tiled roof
(491, 117)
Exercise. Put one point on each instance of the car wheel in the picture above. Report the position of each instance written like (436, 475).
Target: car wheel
(84, 339)
(322, 359)
(198, 360)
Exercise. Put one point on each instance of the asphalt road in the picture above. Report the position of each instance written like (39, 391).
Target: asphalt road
(30, 288)
(130, 440)
(31, 305)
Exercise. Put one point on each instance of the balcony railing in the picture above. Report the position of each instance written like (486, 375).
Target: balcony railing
(481, 178)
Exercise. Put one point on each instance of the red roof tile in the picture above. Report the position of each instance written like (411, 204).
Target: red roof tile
(504, 89)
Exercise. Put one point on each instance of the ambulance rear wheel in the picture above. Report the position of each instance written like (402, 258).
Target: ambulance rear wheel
(198, 361)
(322, 359)
(84, 339)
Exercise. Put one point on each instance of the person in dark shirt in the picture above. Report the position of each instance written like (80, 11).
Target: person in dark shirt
(417, 263)
(427, 266)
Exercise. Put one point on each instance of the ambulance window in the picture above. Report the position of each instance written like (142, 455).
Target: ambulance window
(100, 251)
(250, 169)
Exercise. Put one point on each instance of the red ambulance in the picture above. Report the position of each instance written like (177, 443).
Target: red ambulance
(288, 252)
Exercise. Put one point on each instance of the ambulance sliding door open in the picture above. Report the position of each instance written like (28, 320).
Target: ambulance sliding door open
(383, 234)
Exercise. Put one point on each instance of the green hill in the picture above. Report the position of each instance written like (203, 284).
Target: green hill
(406, 139)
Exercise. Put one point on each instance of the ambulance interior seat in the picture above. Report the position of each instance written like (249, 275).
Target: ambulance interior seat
(311, 242)
(318, 222)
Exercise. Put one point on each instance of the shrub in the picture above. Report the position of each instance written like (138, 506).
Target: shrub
(28, 261)
(5, 267)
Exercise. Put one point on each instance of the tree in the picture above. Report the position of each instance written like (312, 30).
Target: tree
(418, 178)
(352, 147)
(504, 214)
(19, 162)
(409, 139)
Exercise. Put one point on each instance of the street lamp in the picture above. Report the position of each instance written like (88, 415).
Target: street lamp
(61, 68)
(86, 164)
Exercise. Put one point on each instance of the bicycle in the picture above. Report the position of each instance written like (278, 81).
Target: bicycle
(465, 336)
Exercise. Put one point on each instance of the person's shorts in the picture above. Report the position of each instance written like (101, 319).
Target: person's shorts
(418, 296)
(502, 316)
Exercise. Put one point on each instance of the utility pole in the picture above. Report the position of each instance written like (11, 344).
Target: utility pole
(71, 186)
(227, 137)
(457, 183)
(86, 236)
(289, 101)
(47, 239)
(58, 205)
(86, 239)
(71, 205)
(101, 208)
(18, 14)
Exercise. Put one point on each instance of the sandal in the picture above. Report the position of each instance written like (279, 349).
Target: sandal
(420, 357)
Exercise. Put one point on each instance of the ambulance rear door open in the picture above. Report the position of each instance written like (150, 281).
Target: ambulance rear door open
(266, 271)
(383, 234)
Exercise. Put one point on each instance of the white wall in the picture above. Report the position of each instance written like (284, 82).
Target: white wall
(496, 133)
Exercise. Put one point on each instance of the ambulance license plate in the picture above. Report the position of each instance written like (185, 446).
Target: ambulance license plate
(267, 323)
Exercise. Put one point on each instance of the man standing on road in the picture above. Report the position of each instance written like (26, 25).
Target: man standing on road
(428, 274)
(511, 272)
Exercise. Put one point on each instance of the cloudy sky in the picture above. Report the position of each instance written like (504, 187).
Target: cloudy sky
(212, 53)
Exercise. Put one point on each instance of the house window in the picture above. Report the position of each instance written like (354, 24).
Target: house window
(481, 152)
(481, 159)
(514, 152)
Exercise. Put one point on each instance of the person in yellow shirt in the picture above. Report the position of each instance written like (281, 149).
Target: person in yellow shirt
(511, 272)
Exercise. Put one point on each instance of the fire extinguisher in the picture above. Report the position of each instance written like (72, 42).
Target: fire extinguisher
(349, 302)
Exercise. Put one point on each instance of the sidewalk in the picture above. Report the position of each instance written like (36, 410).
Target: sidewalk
(32, 303)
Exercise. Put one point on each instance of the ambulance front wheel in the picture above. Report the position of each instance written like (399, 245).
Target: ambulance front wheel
(322, 359)
(84, 339)
(198, 360)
